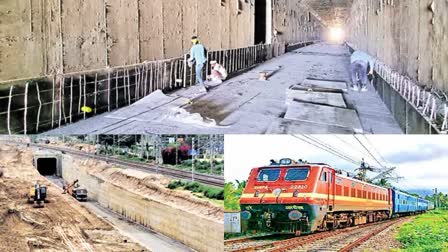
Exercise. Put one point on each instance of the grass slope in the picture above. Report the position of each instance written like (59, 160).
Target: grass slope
(427, 233)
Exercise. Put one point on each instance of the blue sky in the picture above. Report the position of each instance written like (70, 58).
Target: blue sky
(421, 160)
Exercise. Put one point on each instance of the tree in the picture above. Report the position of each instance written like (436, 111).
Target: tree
(232, 195)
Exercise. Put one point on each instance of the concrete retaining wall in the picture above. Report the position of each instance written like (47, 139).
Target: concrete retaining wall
(44, 37)
(199, 233)
(408, 35)
(408, 116)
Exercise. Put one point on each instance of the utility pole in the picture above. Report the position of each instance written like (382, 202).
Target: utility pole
(177, 151)
(192, 159)
(436, 202)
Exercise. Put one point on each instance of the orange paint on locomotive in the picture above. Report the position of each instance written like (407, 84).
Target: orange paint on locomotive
(316, 191)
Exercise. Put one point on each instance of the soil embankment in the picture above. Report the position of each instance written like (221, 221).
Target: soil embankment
(62, 225)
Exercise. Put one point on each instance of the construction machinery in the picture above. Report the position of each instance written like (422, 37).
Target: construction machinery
(74, 189)
(37, 195)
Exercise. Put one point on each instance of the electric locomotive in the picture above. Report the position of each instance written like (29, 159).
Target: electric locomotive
(299, 198)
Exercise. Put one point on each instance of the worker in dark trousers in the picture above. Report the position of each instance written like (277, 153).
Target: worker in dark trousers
(198, 57)
(361, 70)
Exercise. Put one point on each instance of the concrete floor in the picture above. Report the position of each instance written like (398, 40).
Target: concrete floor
(149, 239)
(245, 104)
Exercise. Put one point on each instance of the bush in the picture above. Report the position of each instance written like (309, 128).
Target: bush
(175, 184)
(194, 187)
(187, 162)
(213, 193)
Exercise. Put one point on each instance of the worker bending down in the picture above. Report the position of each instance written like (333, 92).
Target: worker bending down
(218, 74)
(361, 70)
(198, 57)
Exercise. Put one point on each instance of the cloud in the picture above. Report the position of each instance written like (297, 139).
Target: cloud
(421, 160)
(424, 152)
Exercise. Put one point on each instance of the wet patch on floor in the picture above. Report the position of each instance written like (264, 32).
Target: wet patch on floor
(209, 109)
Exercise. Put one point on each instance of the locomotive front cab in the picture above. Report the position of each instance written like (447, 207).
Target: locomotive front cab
(279, 199)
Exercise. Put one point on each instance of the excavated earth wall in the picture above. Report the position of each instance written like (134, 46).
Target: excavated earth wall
(144, 199)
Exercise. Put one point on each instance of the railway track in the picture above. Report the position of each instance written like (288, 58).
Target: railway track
(241, 243)
(343, 240)
(179, 174)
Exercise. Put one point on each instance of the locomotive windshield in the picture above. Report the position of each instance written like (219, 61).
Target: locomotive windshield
(297, 174)
(268, 175)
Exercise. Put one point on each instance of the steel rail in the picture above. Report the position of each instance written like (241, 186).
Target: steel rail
(365, 238)
(212, 180)
(291, 243)
(203, 178)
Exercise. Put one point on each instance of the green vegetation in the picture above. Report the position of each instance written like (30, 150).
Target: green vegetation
(201, 166)
(442, 199)
(132, 158)
(232, 195)
(198, 188)
(427, 233)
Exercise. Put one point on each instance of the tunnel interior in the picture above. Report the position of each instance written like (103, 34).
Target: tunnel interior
(46, 166)
(260, 21)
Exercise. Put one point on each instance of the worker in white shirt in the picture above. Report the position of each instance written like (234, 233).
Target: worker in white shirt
(218, 74)
(361, 68)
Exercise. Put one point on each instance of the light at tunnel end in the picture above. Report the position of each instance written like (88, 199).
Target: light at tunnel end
(336, 34)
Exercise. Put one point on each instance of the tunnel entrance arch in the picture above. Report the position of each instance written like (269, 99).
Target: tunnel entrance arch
(263, 21)
(47, 166)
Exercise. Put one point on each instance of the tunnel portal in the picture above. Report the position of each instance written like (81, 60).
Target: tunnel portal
(47, 166)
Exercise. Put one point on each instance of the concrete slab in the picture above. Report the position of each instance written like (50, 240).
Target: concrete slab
(246, 105)
(154, 101)
(327, 84)
(318, 114)
(324, 98)
(285, 126)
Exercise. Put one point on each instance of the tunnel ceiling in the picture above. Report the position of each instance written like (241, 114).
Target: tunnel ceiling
(332, 12)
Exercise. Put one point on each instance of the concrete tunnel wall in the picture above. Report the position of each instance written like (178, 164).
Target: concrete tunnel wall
(408, 35)
(39, 156)
(198, 233)
(42, 37)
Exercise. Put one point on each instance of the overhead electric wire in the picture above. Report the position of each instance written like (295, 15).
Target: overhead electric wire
(351, 146)
(332, 148)
(376, 150)
(329, 150)
(370, 153)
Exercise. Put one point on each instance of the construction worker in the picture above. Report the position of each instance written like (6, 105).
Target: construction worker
(198, 57)
(361, 70)
(218, 75)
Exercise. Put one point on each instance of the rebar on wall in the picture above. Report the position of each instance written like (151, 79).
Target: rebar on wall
(38, 105)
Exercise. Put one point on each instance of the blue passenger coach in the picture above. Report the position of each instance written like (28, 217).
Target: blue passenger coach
(405, 204)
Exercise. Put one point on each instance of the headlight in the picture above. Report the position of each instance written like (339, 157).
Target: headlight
(245, 215)
(296, 193)
(277, 192)
(295, 215)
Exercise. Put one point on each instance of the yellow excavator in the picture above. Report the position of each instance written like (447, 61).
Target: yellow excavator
(73, 189)
(37, 195)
